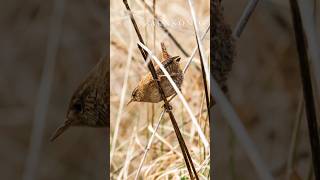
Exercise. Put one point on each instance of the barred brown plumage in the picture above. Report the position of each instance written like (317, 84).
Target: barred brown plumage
(89, 105)
(147, 89)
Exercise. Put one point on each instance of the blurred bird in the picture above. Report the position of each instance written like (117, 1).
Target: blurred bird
(147, 89)
(89, 105)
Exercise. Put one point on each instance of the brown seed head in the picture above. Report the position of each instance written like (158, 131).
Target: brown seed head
(224, 46)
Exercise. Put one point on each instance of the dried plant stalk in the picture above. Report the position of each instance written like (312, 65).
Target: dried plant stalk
(223, 44)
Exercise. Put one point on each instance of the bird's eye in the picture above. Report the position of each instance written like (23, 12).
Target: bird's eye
(134, 93)
(78, 107)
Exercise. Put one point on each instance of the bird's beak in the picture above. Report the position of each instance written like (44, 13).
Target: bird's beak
(131, 100)
(60, 130)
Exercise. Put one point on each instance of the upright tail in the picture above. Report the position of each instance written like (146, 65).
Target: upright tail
(165, 54)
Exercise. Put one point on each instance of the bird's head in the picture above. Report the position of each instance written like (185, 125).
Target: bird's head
(89, 104)
(84, 110)
(136, 95)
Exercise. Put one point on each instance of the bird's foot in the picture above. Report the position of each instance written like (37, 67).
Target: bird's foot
(167, 107)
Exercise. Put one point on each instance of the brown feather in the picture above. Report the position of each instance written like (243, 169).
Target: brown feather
(89, 105)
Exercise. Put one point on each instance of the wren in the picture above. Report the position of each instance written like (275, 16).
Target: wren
(147, 89)
(89, 105)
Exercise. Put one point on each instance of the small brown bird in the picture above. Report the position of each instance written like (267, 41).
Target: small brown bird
(89, 105)
(147, 89)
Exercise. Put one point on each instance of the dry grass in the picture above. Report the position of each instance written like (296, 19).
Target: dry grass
(134, 124)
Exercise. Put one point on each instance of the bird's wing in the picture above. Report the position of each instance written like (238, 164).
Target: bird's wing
(168, 61)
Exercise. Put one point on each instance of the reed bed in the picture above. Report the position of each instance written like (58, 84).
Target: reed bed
(133, 126)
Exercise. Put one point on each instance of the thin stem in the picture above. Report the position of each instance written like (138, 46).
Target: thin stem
(183, 147)
(165, 29)
(307, 86)
(122, 98)
(244, 18)
(294, 138)
(234, 122)
(148, 146)
(166, 136)
(312, 37)
(191, 58)
(44, 91)
(203, 58)
(183, 100)
(201, 134)
(195, 50)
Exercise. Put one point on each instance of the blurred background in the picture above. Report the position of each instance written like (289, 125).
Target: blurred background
(265, 90)
(25, 27)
